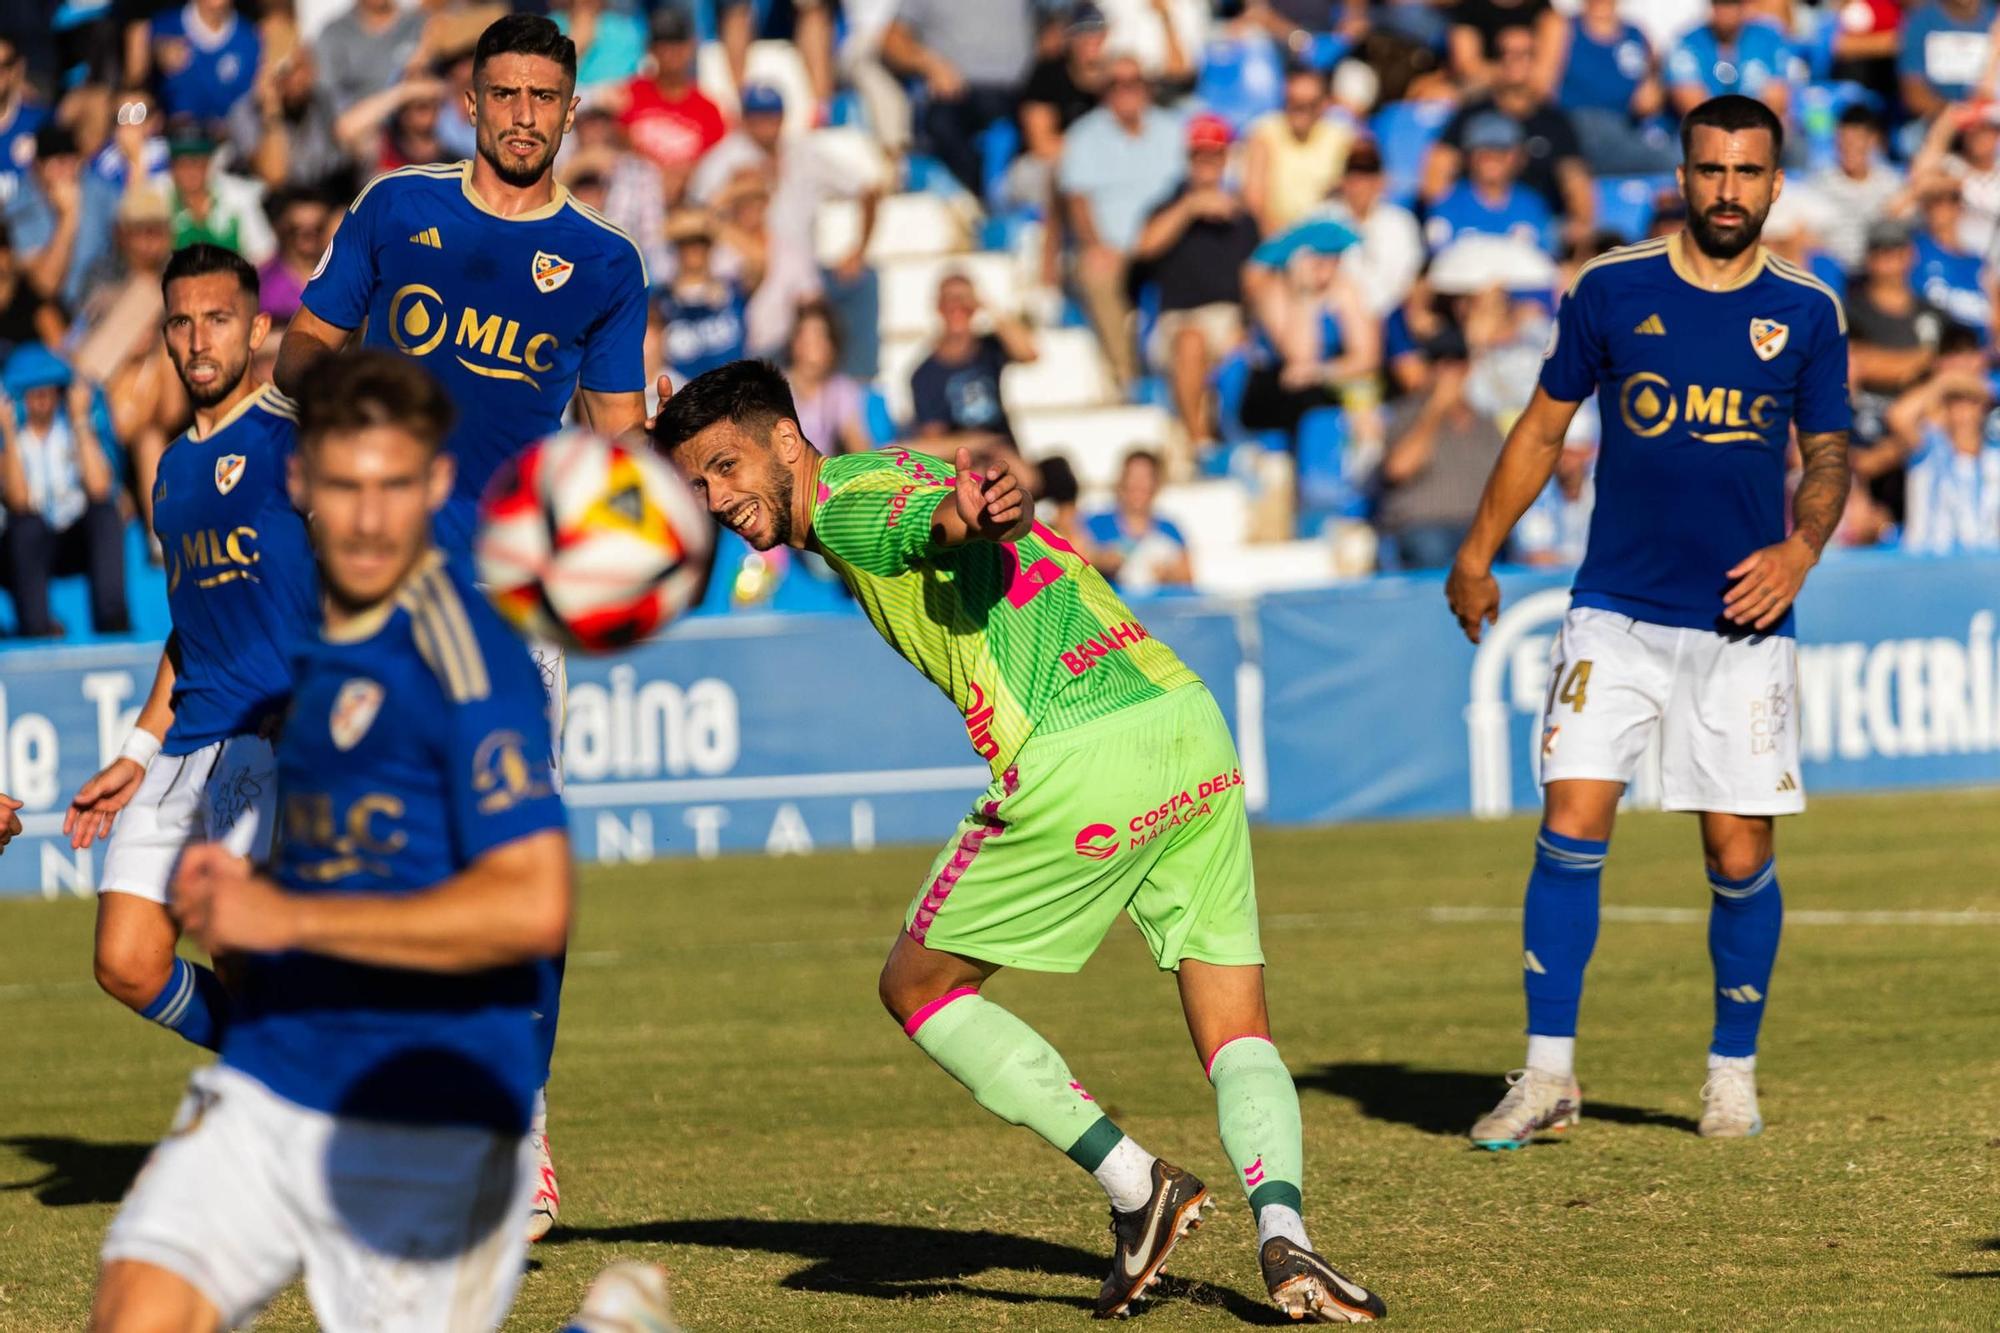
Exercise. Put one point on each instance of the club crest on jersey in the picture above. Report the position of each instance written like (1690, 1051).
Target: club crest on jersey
(354, 710)
(1768, 337)
(551, 271)
(229, 471)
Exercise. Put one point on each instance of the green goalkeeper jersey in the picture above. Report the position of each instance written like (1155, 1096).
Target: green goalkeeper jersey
(1024, 637)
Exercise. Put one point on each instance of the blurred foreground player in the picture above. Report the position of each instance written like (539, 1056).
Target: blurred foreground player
(366, 1125)
(1706, 352)
(198, 765)
(1116, 788)
(511, 291)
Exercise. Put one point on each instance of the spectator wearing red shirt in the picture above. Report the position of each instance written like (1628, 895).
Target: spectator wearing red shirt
(665, 116)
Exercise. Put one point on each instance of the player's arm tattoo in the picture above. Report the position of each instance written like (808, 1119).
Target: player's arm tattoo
(1822, 492)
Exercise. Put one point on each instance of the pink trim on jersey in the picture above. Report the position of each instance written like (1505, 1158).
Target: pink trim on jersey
(961, 860)
(923, 1015)
(1247, 1036)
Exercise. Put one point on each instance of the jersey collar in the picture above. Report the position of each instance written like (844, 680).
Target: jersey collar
(548, 210)
(1677, 257)
(370, 622)
(228, 419)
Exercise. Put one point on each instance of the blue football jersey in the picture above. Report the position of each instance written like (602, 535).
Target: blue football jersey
(417, 742)
(511, 314)
(241, 583)
(203, 74)
(1699, 391)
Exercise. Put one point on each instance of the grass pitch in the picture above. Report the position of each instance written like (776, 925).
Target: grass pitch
(730, 1101)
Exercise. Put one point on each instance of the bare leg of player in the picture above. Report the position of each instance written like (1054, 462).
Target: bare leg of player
(134, 1297)
(133, 953)
(1257, 1108)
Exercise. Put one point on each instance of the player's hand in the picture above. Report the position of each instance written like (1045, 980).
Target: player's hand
(98, 801)
(225, 907)
(1766, 583)
(1474, 595)
(10, 825)
(990, 501)
(666, 387)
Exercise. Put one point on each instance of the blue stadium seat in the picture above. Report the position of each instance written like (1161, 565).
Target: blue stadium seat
(1625, 205)
(1241, 79)
(1324, 484)
(1405, 132)
(69, 602)
(999, 145)
(875, 414)
(1229, 379)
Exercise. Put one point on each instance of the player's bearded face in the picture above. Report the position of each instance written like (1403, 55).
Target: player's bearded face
(522, 108)
(1730, 181)
(745, 484)
(211, 333)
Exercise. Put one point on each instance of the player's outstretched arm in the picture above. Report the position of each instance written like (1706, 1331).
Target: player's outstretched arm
(1767, 581)
(987, 504)
(510, 906)
(308, 340)
(1524, 467)
(98, 801)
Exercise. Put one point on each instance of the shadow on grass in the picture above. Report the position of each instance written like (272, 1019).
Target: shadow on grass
(79, 1171)
(897, 1262)
(1447, 1101)
(1990, 1245)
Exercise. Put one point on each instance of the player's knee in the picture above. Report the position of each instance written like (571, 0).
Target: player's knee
(1738, 860)
(139, 1298)
(130, 972)
(897, 991)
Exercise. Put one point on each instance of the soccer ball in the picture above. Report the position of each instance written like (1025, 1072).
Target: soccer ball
(591, 544)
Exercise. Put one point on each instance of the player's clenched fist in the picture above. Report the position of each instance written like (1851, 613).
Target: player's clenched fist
(1474, 595)
(990, 502)
(227, 908)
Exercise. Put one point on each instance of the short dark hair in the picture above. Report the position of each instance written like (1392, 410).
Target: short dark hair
(201, 259)
(752, 395)
(818, 309)
(367, 386)
(1860, 113)
(524, 35)
(1733, 113)
(1146, 456)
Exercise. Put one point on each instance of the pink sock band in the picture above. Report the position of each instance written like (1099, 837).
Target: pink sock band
(1248, 1036)
(923, 1015)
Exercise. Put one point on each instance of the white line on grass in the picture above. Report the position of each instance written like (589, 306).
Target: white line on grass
(1691, 916)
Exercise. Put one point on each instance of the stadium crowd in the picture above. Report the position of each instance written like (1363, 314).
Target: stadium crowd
(1260, 284)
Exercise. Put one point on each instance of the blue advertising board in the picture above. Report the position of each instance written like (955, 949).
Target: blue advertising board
(784, 734)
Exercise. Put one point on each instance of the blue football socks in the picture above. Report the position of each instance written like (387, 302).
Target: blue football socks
(192, 1003)
(1559, 929)
(1744, 919)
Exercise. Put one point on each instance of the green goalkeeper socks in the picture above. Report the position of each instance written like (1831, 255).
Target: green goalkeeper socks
(1012, 1072)
(1258, 1110)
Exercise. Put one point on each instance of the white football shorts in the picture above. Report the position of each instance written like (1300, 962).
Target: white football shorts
(225, 792)
(396, 1228)
(1726, 709)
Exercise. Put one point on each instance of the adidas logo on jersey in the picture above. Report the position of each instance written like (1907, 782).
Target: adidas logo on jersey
(1652, 324)
(1788, 783)
(1744, 994)
(428, 236)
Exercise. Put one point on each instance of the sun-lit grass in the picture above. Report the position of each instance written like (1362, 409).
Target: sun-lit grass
(731, 1102)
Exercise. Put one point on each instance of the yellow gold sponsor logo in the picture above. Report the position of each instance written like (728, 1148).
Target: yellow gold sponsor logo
(1650, 407)
(487, 345)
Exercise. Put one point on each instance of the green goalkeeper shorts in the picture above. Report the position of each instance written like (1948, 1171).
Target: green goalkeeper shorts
(1140, 812)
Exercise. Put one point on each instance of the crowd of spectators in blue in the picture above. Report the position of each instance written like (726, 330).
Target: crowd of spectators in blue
(1325, 231)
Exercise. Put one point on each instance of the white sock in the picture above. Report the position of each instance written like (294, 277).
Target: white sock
(1746, 1063)
(1127, 1175)
(538, 1115)
(1552, 1055)
(1278, 1219)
